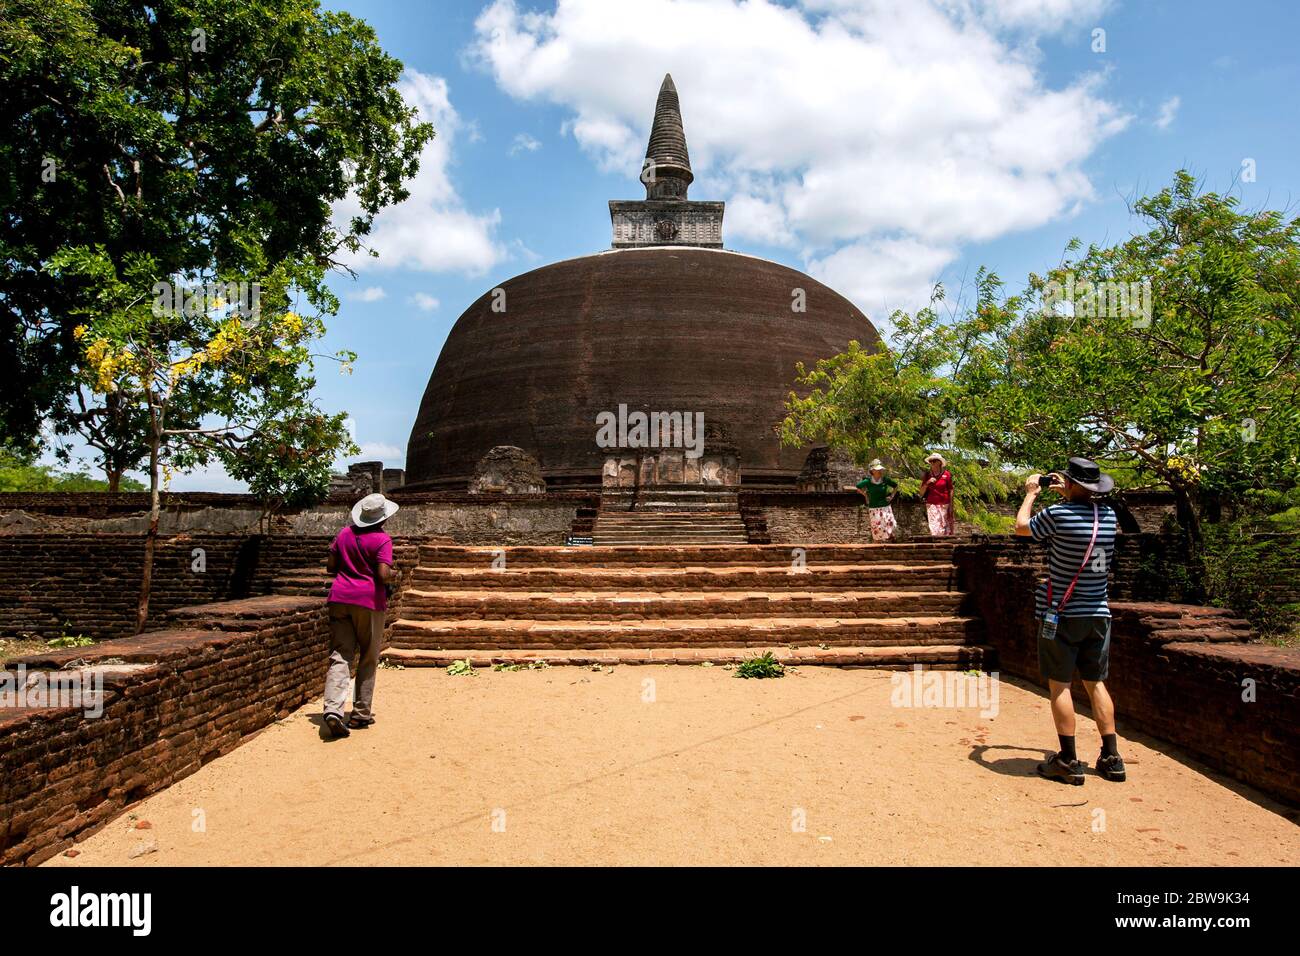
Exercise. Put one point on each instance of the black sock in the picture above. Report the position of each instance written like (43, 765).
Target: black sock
(1067, 748)
(1109, 745)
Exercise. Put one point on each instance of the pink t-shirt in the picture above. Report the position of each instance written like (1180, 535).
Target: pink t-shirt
(360, 554)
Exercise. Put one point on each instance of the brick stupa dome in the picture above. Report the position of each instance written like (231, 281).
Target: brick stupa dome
(667, 321)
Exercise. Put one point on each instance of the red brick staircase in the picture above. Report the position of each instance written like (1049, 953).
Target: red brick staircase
(864, 605)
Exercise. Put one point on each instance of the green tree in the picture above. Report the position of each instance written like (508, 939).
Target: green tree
(900, 404)
(251, 373)
(209, 138)
(19, 471)
(286, 463)
(1173, 355)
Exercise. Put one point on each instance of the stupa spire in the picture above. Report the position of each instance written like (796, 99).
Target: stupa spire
(667, 168)
(666, 217)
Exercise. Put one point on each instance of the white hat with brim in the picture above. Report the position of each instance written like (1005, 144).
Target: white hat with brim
(936, 457)
(372, 510)
(876, 465)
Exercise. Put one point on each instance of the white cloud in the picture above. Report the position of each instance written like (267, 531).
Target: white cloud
(524, 143)
(206, 478)
(424, 302)
(431, 231)
(1168, 112)
(883, 275)
(378, 451)
(1039, 16)
(843, 128)
(369, 294)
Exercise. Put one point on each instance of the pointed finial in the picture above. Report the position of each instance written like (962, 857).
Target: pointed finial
(667, 168)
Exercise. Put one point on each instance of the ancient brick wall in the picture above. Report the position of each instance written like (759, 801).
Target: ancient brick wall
(839, 517)
(468, 519)
(181, 697)
(89, 584)
(1177, 670)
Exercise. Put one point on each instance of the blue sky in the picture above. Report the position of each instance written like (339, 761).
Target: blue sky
(881, 146)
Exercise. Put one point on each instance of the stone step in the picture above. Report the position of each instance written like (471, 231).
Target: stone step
(858, 577)
(501, 604)
(901, 657)
(666, 524)
(624, 515)
(688, 555)
(682, 494)
(685, 632)
(661, 526)
(617, 541)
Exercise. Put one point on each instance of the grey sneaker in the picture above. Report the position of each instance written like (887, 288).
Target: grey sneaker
(1056, 768)
(1112, 767)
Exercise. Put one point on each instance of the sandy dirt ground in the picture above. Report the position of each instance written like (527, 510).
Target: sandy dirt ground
(686, 765)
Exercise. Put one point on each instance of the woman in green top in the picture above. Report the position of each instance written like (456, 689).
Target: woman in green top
(880, 493)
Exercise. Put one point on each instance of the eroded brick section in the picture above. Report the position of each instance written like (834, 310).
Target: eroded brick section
(229, 671)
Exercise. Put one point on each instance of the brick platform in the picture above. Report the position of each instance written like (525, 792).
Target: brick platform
(182, 697)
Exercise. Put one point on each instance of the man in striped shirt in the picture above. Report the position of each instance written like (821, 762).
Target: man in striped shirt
(1073, 615)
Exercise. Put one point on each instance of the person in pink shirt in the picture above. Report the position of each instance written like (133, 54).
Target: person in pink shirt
(361, 560)
(937, 492)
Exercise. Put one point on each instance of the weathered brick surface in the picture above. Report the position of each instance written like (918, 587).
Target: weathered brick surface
(470, 519)
(225, 672)
(90, 583)
(1177, 671)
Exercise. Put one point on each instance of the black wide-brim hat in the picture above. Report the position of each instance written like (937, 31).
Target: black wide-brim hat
(1085, 473)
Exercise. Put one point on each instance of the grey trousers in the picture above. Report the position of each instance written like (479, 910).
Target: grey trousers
(353, 629)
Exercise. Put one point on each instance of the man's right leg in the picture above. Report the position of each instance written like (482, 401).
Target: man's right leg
(1062, 765)
(1056, 660)
(1094, 668)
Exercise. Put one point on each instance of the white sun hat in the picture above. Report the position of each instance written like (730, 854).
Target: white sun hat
(372, 509)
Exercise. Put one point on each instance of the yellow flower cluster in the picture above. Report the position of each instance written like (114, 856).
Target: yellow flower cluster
(187, 366)
(230, 338)
(292, 324)
(1185, 468)
(106, 364)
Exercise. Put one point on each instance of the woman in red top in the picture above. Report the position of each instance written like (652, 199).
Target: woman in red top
(937, 492)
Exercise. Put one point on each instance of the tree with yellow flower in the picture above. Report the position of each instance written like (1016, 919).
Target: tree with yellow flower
(211, 379)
